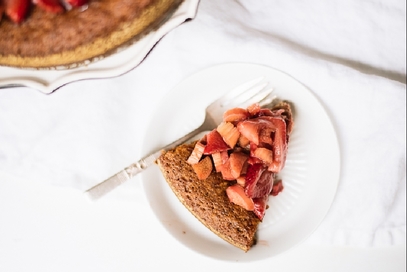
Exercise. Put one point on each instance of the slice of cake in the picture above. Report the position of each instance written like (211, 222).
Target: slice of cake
(68, 33)
(225, 179)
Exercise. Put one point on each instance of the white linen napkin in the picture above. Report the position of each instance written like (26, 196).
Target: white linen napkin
(349, 53)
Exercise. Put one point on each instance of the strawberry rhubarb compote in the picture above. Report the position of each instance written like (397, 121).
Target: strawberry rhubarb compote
(249, 146)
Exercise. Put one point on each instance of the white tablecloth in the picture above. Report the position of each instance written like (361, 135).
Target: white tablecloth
(350, 54)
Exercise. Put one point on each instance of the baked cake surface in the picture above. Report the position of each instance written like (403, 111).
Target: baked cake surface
(207, 199)
(46, 39)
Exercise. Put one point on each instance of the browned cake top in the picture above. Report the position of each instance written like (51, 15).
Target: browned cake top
(45, 33)
(207, 199)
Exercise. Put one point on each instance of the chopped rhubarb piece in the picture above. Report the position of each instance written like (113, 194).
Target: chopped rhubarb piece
(226, 171)
(219, 159)
(279, 144)
(236, 162)
(260, 206)
(277, 187)
(215, 143)
(241, 180)
(264, 154)
(76, 3)
(16, 10)
(237, 195)
(203, 168)
(235, 115)
(243, 141)
(53, 6)
(252, 177)
(197, 153)
(254, 109)
(229, 133)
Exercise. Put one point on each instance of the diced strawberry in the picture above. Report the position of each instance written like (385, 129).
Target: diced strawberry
(265, 135)
(53, 6)
(197, 153)
(264, 154)
(237, 195)
(203, 168)
(260, 206)
(241, 180)
(252, 177)
(254, 109)
(16, 10)
(229, 133)
(76, 3)
(263, 186)
(215, 143)
(235, 115)
(250, 130)
(236, 162)
(277, 188)
(253, 160)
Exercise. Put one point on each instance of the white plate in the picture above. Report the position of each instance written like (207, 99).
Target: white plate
(121, 62)
(310, 176)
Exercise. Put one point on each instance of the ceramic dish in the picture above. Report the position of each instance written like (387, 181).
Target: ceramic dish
(310, 176)
(121, 62)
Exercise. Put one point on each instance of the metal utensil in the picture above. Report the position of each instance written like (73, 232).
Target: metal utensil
(245, 94)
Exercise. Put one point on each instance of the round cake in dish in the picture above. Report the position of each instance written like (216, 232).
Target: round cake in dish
(75, 36)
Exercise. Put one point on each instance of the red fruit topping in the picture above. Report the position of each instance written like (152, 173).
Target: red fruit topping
(16, 10)
(277, 188)
(229, 133)
(76, 3)
(249, 146)
(237, 195)
(264, 154)
(243, 141)
(279, 145)
(203, 168)
(1, 10)
(215, 143)
(236, 162)
(252, 176)
(227, 171)
(264, 185)
(53, 6)
(260, 206)
(254, 109)
(241, 180)
(219, 159)
(197, 153)
(250, 130)
(235, 114)
(265, 112)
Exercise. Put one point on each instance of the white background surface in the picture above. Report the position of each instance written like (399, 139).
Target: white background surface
(56, 229)
(351, 54)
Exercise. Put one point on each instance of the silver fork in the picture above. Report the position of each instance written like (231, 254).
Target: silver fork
(242, 96)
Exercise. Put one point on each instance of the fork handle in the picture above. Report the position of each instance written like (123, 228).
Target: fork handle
(130, 171)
